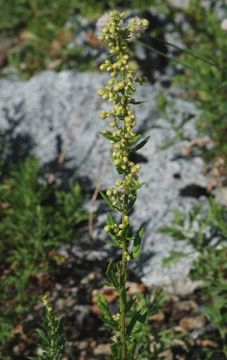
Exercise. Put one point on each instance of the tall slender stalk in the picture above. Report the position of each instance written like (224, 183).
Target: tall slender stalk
(123, 303)
(117, 34)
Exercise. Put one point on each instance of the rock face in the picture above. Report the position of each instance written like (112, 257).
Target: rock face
(56, 115)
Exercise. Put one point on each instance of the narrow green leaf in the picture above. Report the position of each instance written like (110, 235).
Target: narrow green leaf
(115, 348)
(111, 276)
(119, 170)
(42, 337)
(140, 145)
(107, 200)
(129, 304)
(136, 247)
(135, 102)
(110, 219)
(137, 317)
(138, 186)
(111, 137)
(103, 307)
(135, 138)
(115, 241)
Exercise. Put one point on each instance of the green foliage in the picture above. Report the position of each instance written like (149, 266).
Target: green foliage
(173, 258)
(35, 219)
(150, 342)
(69, 213)
(136, 246)
(211, 268)
(54, 13)
(203, 76)
(183, 226)
(50, 335)
(206, 230)
(207, 88)
(144, 341)
(38, 16)
(43, 35)
(40, 23)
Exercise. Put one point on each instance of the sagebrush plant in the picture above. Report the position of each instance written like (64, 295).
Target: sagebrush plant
(50, 335)
(116, 35)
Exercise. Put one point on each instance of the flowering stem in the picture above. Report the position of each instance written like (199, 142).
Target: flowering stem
(119, 91)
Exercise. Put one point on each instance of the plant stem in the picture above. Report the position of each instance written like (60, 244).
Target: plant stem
(123, 302)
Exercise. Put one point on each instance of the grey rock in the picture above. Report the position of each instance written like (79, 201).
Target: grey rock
(179, 3)
(221, 195)
(59, 112)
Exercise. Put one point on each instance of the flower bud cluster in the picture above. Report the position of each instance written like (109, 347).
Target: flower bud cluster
(111, 27)
(116, 230)
(117, 317)
(46, 303)
(136, 27)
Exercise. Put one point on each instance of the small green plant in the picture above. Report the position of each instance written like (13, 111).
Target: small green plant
(35, 219)
(206, 230)
(154, 342)
(50, 335)
(128, 323)
(203, 76)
